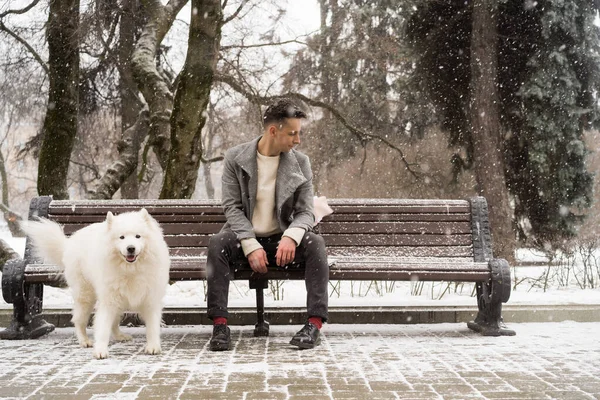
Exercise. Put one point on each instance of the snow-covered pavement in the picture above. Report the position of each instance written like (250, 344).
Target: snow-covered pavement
(435, 361)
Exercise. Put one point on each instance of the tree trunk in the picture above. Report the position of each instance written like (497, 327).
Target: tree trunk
(207, 166)
(150, 82)
(191, 100)
(128, 90)
(12, 219)
(127, 163)
(60, 124)
(485, 123)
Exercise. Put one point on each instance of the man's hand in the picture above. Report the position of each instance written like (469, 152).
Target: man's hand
(286, 251)
(258, 261)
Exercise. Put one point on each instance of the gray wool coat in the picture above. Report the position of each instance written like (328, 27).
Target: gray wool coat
(293, 190)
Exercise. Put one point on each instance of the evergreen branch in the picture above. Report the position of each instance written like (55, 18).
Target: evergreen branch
(363, 136)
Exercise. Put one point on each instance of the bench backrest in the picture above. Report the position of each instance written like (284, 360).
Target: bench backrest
(374, 227)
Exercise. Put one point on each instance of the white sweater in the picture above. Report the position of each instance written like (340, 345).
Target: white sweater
(264, 217)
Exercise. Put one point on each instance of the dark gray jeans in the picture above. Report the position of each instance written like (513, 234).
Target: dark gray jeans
(225, 251)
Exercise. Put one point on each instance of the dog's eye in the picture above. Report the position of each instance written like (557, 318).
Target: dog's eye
(137, 236)
(122, 237)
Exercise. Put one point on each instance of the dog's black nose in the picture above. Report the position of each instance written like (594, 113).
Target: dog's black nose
(131, 249)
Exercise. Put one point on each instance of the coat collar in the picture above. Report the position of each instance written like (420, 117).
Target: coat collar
(289, 173)
(246, 158)
(289, 178)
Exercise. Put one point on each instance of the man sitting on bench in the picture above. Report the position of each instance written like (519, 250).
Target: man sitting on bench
(267, 197)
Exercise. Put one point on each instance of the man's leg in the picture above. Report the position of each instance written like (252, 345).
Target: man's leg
(313, 253)
(223, 249)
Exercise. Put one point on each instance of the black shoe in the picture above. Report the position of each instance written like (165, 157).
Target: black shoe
(221, 338)
(307, 337)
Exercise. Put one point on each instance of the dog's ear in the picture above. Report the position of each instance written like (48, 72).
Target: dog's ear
(109, 218)
(145, 214)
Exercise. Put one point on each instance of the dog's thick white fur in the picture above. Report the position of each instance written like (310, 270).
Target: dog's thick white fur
(121, 264)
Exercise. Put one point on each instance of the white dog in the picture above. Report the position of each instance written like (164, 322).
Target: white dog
(121, 264)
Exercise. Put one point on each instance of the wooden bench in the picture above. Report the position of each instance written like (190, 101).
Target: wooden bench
(367, 239)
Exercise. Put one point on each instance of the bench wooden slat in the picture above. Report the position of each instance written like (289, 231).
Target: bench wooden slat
(207, 228)
(188, 251)
(364, 265)
(211, 202)
(348, 240)
(402, 209)
(207, 207)
(412, 217)
(356, 276)
(102, 209)
(333, 218)
(405, 251)
(441, 228)
(90, 219)
(397, 240)
(448, 252)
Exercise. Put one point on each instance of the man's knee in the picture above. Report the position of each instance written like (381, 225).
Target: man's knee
(314, 245)
(313, 241)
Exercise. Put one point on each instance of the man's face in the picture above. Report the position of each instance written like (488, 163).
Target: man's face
(287, 134)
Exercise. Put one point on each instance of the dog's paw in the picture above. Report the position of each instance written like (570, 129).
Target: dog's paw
(100, 353)
(87, 342)
(153, 348)
(122, 337)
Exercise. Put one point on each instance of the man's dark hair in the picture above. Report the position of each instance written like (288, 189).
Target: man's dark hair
(282, 109)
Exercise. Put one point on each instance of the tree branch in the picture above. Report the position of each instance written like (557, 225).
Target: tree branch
(27, 46)
(363, 136)
(250, 46)
(235, 14)
(127, 162)
(171, 9)
(150, 81)
(89, 167)
(20, 11)
(211, 160)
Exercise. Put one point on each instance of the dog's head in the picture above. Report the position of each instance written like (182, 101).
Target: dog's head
(128, 232)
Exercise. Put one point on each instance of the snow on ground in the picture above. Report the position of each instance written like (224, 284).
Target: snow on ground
(425, 361)
(347, 293)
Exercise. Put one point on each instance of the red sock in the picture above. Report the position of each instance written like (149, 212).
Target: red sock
(316, 321)
(219, 321)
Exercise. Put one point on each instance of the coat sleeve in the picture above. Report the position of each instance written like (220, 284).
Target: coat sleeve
(232, 202)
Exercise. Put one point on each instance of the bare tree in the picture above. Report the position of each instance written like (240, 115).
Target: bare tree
(60, 124)
(150, 81)
(128, 93)
(193, 93)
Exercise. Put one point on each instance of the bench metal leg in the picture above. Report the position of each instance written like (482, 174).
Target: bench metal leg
(27, 322)
(490, 296)
(262, 327)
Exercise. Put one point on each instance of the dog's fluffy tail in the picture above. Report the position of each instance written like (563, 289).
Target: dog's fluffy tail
(48, 239)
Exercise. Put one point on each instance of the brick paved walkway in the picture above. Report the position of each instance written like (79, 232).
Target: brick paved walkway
(437, 361)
